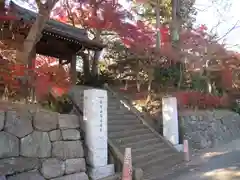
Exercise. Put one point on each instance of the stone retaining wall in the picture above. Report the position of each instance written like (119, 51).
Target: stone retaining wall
(40, 145)
(205, 129)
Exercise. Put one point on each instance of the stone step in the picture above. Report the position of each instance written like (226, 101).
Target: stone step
(114, 109)
(111, 97)
(120, 128)
(113, 177)
(129, 133)
(140, 144)
(121, 116)
(158, 161)
(149, 148)
(132, 139)
(115, 106)
(120, 113)
(113, 102)
(152, 154)
(123, 122)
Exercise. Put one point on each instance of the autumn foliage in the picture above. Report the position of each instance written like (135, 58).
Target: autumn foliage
(139, 37)
(200, 100)
(46, 76)
(50, 76)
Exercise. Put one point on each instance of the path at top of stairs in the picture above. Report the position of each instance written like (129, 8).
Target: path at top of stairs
(150, 151)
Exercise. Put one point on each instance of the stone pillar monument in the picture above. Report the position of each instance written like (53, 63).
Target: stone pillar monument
(170, 119)
(95, 120)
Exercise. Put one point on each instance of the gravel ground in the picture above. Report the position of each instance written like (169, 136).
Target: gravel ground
(222, 163)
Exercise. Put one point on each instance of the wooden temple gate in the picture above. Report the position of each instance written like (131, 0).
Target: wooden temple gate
(58, 40)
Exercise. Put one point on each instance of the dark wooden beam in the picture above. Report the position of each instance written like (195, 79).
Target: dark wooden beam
(54, 49)
(73, 69)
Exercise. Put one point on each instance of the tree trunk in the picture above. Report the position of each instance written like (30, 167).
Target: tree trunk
(33, 37)
(150, 79)
(24, 55)
(138, 85)
(149, 91)
(181, 69)
(208, 80)
(138, 78)
(126, 85)
(209, 85)
(5, 93)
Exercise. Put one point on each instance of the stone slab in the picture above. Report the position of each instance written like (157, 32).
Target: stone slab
(52, 168)
(18, 123)
(75, 165)
(76, 176)
(36, 144)
(9, 145)
(70, 134)
(101, 172)
(45, 120)
(26, 176)
(68, 121)
(67, 149)
(17, 165)
(55, 135)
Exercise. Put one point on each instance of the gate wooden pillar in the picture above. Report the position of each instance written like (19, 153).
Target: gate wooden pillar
(73, 69)
(60, 61)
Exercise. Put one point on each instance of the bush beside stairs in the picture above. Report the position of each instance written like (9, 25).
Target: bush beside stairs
(150, 151)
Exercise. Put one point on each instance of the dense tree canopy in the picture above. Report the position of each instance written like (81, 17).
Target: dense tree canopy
(130, 35)
(145, 10)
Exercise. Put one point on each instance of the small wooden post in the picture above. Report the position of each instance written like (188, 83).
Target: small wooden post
(186, 150)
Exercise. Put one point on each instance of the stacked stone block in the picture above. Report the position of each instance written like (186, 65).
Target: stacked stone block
(40, 145)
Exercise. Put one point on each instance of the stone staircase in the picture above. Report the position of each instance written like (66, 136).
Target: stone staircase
(150, 151)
